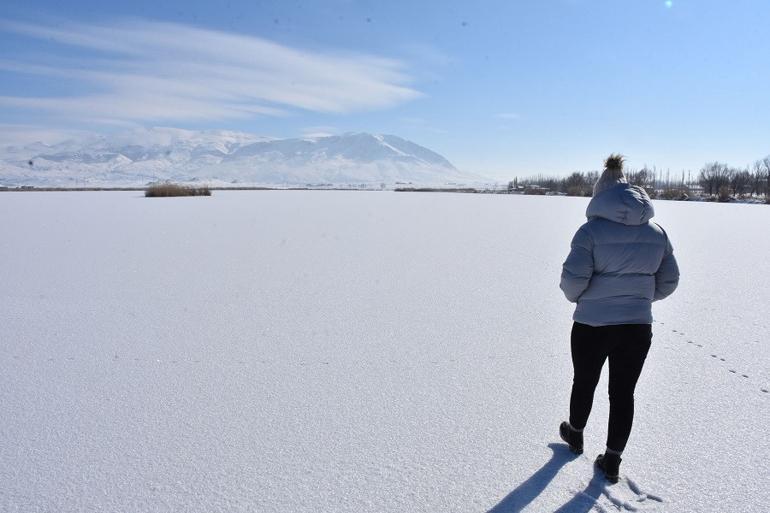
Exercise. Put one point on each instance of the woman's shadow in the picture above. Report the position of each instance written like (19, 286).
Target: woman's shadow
(527, 491)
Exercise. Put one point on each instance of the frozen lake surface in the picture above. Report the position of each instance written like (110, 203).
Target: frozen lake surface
(302, 351)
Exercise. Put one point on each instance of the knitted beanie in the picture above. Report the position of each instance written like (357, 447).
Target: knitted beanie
(612, 175)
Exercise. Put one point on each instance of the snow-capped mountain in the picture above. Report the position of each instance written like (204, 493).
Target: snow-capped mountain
(137, 157)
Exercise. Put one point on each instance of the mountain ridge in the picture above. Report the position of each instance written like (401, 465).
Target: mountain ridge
(222, 157)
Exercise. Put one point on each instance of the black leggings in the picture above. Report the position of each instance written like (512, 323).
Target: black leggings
(626, 346)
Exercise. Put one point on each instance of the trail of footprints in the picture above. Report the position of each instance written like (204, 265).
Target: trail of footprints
(434, 362)
(714, 356)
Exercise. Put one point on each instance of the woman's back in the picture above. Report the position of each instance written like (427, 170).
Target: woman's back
(620, 261)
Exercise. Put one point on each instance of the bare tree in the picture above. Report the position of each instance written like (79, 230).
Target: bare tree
(757, 177)
(576, 184)
(591, 178)
(552, 184)
(740, 181)
(713, 176)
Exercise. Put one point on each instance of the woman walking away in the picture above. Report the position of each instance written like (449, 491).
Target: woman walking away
(619, 263)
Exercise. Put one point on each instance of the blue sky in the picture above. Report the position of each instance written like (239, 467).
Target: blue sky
(500, 88)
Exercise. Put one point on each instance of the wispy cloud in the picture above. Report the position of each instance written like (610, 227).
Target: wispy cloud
(151, 71)
(14, 134)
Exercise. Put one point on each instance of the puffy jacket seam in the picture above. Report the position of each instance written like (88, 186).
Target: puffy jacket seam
(646, 243)
(623, 275)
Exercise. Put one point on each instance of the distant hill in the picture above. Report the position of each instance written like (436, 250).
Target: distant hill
(138, 157)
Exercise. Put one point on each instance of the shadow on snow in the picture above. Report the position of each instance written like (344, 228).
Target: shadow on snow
(527, 491)
(584, 501)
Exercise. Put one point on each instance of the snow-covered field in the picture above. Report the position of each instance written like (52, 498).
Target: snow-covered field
(302, 351)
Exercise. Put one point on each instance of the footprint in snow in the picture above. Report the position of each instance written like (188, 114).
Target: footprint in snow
(630, 497)
(625, 495)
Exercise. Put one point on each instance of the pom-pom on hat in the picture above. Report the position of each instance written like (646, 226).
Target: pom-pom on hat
(612, 175)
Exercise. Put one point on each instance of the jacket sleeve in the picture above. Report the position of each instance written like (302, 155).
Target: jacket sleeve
(579, 267)
(667, 276)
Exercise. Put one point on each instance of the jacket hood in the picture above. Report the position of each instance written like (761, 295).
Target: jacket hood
(622, 203)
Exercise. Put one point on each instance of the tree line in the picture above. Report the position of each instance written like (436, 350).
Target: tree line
(715, 180)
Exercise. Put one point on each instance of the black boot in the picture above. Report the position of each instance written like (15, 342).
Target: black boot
(572, 438)
(609, 463)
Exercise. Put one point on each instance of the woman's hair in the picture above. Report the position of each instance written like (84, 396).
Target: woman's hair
(614, 163)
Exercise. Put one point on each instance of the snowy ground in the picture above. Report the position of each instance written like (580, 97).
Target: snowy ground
(352, 351)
